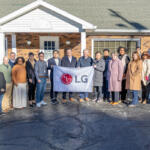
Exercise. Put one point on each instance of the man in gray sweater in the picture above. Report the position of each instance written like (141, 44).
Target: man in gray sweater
(41, 74)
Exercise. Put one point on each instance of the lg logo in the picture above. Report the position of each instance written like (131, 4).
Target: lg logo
(67, 79)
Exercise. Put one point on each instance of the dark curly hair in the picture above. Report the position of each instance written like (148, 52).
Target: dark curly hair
(23, 60)
(119, 48)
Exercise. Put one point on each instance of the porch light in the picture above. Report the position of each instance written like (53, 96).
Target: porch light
(29, 43)
(68, 42)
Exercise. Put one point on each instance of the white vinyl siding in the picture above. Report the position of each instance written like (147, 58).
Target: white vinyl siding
(44, 20)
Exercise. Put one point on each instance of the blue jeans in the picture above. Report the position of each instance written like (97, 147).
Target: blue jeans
(40, 89)
(83, 95)
(135, 97)
(1, 98)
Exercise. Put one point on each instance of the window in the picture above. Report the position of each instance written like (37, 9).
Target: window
(49, 45)
(113, 44)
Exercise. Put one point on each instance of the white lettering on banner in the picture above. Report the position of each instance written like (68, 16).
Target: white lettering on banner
(73, 79)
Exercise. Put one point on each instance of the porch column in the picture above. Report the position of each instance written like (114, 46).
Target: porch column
(83, 42)
(2, 46)
(14, 43)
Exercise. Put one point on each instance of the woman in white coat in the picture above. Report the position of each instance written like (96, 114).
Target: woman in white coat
(146, 78)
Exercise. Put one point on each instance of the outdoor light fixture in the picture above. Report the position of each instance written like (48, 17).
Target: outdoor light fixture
(68, 42)
(29, 43)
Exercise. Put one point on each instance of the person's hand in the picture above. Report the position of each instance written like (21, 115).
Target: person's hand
(30, 80)
(39, 81)
(146, 78)
(52, 66)
(94, 66)
(2, 90)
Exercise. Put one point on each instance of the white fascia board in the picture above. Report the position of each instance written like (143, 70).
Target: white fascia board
(121, 31)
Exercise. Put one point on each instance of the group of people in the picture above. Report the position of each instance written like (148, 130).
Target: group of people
(115, 78)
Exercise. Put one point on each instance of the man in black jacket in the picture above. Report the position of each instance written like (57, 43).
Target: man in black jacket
(2, 89)
(51, 63)
(68, 61)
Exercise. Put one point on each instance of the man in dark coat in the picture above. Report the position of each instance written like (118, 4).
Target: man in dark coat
(51, 63)
(107, 59)
(68, 61)
(2, 89)
(84, 61)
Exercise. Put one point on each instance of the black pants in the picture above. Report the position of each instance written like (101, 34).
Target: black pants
(115, 96)
(31, 91)
(53, 95)
(105, 89)
(145, 91)
(98, 92)
(123, 93)
(64, 95)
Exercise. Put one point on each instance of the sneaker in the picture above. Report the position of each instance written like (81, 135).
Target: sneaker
(2, 113)
(115, 103)
(144, 102)
(54, 102)
(81, 100)
(111, 103)
(38, 104)
(64, 101)
(99, 100)
(94, 100)
(43, 103)
(86, 99)
(71, 99)
(131, 105)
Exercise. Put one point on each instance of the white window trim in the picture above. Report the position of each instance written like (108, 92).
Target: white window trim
(138, 40)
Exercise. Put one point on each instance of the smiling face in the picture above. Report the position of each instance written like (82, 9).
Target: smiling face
(41, 57)
(135, 56)
(69, 53)
(122, 51)
(106, 53)
(12, 56)
(55, 54)
(20, 62)
(98, 56)
(86, 53)
(31, 57)
(114, 56)
(5, 60)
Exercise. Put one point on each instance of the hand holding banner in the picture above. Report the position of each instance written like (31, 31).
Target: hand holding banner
(73, 79)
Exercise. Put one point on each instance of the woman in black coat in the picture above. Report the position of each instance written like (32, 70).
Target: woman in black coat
(30, 64)
(2, 88)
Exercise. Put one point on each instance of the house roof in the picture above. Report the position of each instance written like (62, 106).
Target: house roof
(105, 14)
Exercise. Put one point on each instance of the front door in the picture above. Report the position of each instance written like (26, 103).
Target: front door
(48, 44)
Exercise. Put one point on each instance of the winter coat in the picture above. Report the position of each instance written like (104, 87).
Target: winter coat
(65, 62)
(134, 75)
(146, 71)
(2, 83)
(115, 74)
(30, 72)
(98, 72)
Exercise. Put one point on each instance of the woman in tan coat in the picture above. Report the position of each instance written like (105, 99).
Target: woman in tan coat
(134, 76)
